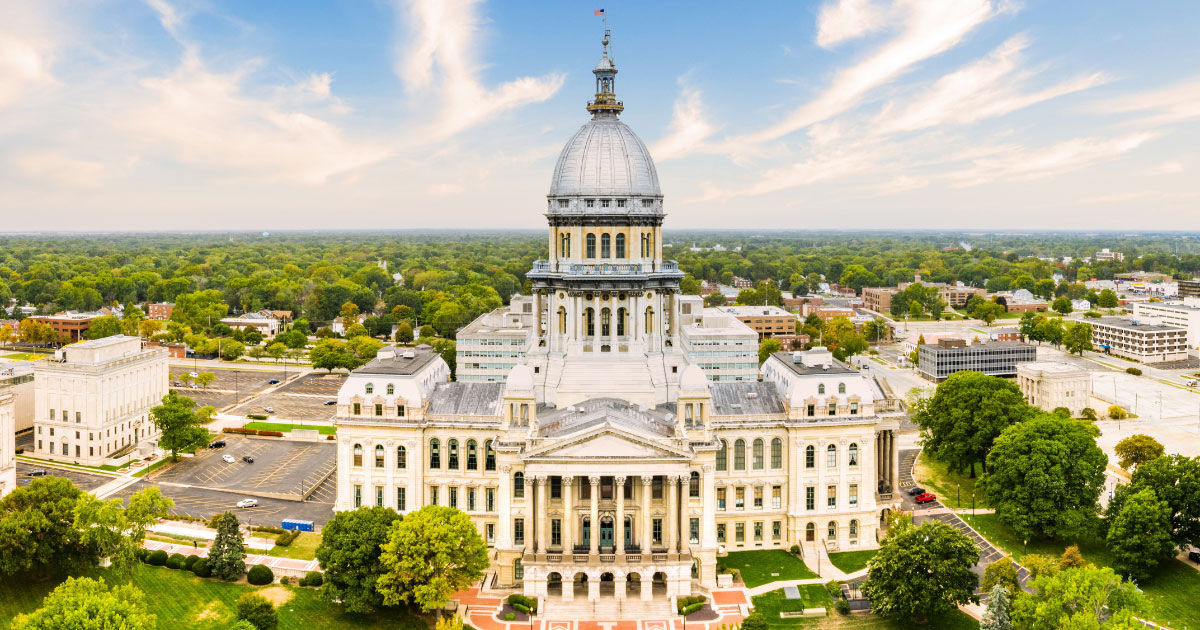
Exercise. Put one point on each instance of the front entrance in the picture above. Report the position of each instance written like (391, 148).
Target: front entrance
(810, 533)
(606, 532)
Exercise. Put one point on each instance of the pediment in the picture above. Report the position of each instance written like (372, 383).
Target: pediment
(607, 442)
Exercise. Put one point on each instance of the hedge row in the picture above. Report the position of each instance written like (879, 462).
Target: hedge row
(287, 538)
(689, 605)
(523, 604)
(312, 578)
(256, 416)
(241, 431)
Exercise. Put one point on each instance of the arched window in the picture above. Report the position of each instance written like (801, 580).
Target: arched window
(489, 456)
(723, 456)
(694, 485)
(591, 245)
(821, 388)
(605, 321)
(620, 246)
(589, 321)
(853, 455)
(379, 456)
(621, 315)
(451, 454)
(831, 530)
(739, 455)
(853, 530)
(391, 389)
(758, 454)
(472, 456)
(370, 388)
(831, 456)
(810, 457)
(562, 321)
(605, 246)
(358, 455)
(435, 453)
(401, 457)
(518, 485)
(776, 454)
(841, 388)
(649, 320)
(810, 532)
(687, 415)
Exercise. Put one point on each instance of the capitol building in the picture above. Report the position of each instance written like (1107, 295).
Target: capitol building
(609, 436)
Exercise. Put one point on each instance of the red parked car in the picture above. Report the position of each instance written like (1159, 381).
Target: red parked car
(925, 497)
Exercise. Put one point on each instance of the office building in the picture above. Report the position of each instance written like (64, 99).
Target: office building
(1140, 340)
(938, 361)
(1049, 385)
(1182, 315)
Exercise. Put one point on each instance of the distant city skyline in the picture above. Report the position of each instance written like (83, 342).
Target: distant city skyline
(970, 115)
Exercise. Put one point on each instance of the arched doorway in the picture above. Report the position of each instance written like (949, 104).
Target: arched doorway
(580, 584)
(606, 532)
(659, 588)
(554, 584)
(607, 585)
(810, 532)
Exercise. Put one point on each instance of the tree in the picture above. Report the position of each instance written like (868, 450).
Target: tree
(1116, 412)
(768, 346)
(1176, 480)
(112, 531)
(331, 354)
(922, 572)
(1028, 326)
(89, 604)
(1107, 299)
(356, 330)
(149, 327)
(1043, 477)
(1139, 538)
(996, 615)
(349, 553)
(1062, 305)
(966, 414)
(988, 311)
(404, 332)
(276, 351)
(177, 422)
(430, 555)
(227, 555)
(1050, 330)
(102, 327)
(349, 311)
(1087, 597)
(204, 379)
(37, 529)
(1002, 572)
(1077, 338)
(258, 611)
(1137, 449)
(715, 299)
(1071, 558)
(366, 348)
(231, 350)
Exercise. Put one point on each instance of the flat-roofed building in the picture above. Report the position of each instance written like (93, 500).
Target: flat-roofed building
(8, 443)
(1140, 340)
(1052, 384)
(1143, 276)
(93, 400)
(938, 361)
(488, 348)
(265, 324)
(1189, 288)
(766, 321)
(1181, 315)
(723, 347)
(17, 378)
(70, 326)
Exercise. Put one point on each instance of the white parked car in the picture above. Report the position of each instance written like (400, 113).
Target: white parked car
(247, 503)
(228, 459)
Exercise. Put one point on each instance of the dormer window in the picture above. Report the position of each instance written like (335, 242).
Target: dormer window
(391, 389)
(563, 203)
(820, 388)
(604, 203)
(620, 203)
(370, 388)
(591, 203)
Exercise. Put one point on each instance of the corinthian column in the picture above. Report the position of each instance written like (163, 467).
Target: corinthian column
(619, 525)
(647, 522)
(568, 522)
(541, 514)
(595, 514)
(672, 514)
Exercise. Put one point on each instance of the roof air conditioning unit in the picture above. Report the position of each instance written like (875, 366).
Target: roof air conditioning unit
(825, 367)
(409, 354)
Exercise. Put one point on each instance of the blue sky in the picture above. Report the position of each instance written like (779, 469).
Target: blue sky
(977, 114)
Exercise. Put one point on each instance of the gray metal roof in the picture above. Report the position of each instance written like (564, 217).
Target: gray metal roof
(466, 399)
(605, 158)
(836, 367)
(596, 411)
(747, 397)
(397, 364)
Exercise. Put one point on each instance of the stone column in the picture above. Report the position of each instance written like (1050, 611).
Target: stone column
(647, 521)
(568, 516)
(540, 510)
(619, 584)
(708, 524)
(537, 315)
(595, 520)
(593, 585)
(504, 524)
(619, 524)
(647, 587)
(895, 462)
(597, 337)
(672, 514)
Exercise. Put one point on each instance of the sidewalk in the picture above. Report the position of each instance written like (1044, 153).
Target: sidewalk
(252, 542)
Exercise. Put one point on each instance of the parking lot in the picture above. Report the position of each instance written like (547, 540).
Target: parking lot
(280, 467)
(302, 399)
(204, 503)
(82, 480)
(231, 384)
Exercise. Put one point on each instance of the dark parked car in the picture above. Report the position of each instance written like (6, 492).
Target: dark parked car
(1194, 556)
(248, 459)
(915, 490)
(330, 402)
(273, 381)
(217, 444)
(36, 472)
(925, 498)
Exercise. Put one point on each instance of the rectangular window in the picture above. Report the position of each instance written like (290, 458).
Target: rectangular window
(556, 532)
(854, 409)
(357, 409)
(78, 417)
(519, 486)
(812, 410)
(489, 531)
(694, 531)
(777, 530)
(453, 496)
(833, 409)
(433, 495)
(400, 411)
(378, 496)
(739, 532)
(721, 499)
(470, 499)
(853, 494)
(490, 498)
(831, 496)
(379, 409)
(64, 449)
(518, 531)
(656, 531)
(401, 499)
(721, 532)
(739, 497)
(758, 531)
(656, 488)
(51, 414)
(357, 496)
(776, 497)
(556, 487)
(810, 498)
(758, 497)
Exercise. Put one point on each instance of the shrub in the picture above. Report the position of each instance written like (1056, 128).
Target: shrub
(312, 578)
(142, 554)
(842, 606)
(285, 580)
(1116, 412)
(756, 621)
(260, 574)
(795, 550)
(256, 416)
(330, 438)
(522, 603)
(190, 562)
(175, 561)
(257, 610)
(510, 616)
(1134, 371)
(287, 538)
(269, 530)
(1062, 412)
(19, 450)
(201, 568)
(689, 605)
(157, 559)
(521, 608)
(833, 588)
(691, 608)
(1088, 413)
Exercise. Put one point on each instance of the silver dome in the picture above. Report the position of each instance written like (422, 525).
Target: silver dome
(605, 158)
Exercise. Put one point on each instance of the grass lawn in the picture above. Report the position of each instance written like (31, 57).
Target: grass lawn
(937, 478)
(185, 602)
(23, 356)
(284, 428)
(757, 566)
(1171, 594)
(851, 561)
(814, 596)
(303, 548)
(145, 471)
(772, 603)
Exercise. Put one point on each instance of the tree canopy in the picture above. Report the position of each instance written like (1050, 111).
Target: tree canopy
(1136, 450)
(88, 604)
(37, 529)
(922, 572)
(430, 555)
(966, 414)
(1086, 597)
(349, 553)
(179, 426)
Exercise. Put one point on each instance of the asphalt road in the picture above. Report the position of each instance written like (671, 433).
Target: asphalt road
(82, 480)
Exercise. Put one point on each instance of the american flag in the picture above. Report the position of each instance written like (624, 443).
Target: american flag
(598, 12)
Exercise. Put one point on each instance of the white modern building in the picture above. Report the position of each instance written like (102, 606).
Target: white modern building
(17, 378)
(93, 399)
(723, 347)
(1052, 384)
(264, 323)
(1140, 340)
(8, 443)
(1182, 315)
(608, 466)
(489, 347)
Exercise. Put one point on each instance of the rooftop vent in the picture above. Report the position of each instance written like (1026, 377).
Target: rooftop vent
(751, 395)
(409, 354)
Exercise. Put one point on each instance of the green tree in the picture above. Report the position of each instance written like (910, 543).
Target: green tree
(1002, 572)
(276, 351)
(1050, 330)
(996, 615)
(966, 414)
(331, 354)
(356, 330)
(715, 299)
(105, 326)
(430, 555)
(258, 611)
(1043, 477)
(349, 553)
(227, 554)
(988, 311)
(177, 423)
(231, 350)
(115, 532)
(404, 332)
(88, 604)
(1077, 338)
(204, 379)
(1062, 305)
(365, 348)
(689, 285)
(1136, 450)
(349, 311)
(1083, 598)
(37, 529)
(1108, 299)
(1071, 558)
(766, 347)
(1176, 480)
(922, 572)
(1028, 326)
(1139, 538)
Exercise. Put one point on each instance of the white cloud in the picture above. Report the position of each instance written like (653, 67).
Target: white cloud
(28, 44)
(1022, 164)
(689, 127)
(1172, 104)
(1170, 167)
(845, 20)
(445, 190)
(441, 60)
(61, 170)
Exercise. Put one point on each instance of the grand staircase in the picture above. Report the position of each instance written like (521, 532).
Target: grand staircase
(608, 608)
(587, 377)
